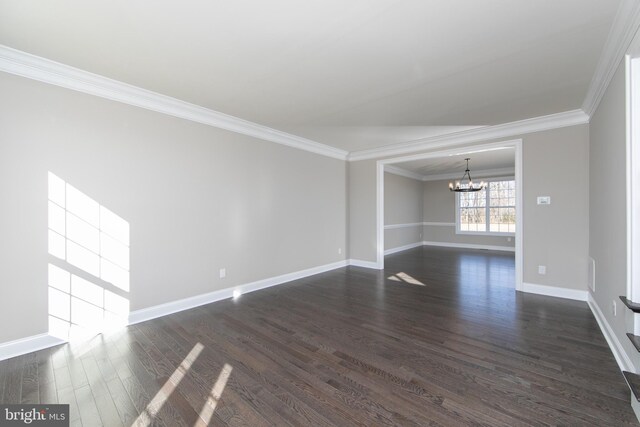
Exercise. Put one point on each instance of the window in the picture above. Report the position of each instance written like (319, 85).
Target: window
(489, 211)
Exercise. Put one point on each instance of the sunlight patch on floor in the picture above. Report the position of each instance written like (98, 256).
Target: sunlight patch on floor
(147, 416)
(216, 393)
(404, 277)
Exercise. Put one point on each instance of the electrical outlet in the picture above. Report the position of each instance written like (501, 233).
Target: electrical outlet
(339, 251)
(542, 270)
(223, 273)
(614, 308)
(420, 235)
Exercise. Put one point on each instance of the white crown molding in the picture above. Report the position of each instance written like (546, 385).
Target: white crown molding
(395, 170)
(625, 25)
(521, 127)
(37, 68)
(34, 67)
(476, 174)
(403, 172)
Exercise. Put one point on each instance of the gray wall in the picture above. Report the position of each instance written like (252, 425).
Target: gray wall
(197, 198)
(555, 162)
(402, 205)
(607, 205)
(556, 165)
(440, 207)
(362, 210)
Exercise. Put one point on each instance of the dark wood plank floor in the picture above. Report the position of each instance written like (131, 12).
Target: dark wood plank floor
(438, 338)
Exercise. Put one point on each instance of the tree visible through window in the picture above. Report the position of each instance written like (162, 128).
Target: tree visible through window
(491, 210)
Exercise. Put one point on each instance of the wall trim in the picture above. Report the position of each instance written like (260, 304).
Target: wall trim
(416, 224)
(624, 362)
(406, 225)
(519, 241)
(635, 405)
(30, 66)
(554, 291)
(446, 245)
(498, 172)
(27, 345)
(521, 127)
(23, 64)
(632, 101)
(470, 246)
(403, 248)
(364, 264)
(153, 312)
(41, 341)
(625, 25)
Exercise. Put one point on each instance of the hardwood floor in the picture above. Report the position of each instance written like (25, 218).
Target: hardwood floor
(438, 338)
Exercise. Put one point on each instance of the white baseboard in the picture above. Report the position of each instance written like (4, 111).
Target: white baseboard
(149, 313)
(27, 345)
(624, 362)
(470, 246)
(402, 248)
(555, 291)
(39, 342)
(635, 405)
(364, 264)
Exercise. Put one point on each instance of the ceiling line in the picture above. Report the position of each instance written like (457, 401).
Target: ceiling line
(20, 63)
(482, 173)
(23, 64)
(505, 130)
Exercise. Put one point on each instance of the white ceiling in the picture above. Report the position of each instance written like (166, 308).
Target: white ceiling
(352, 74)
(483, 160)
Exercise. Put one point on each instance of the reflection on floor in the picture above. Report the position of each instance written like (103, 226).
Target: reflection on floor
(351, 346)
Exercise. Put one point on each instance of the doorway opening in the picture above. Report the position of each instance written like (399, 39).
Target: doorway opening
(503, 180)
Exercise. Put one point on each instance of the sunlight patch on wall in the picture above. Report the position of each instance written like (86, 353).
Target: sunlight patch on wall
(89, 268)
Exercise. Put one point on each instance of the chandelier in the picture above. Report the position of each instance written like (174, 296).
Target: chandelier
(467, 186)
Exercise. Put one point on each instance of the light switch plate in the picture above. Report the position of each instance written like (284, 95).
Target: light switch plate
(544, 200)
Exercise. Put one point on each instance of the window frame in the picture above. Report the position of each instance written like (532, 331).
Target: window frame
(487, 213)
